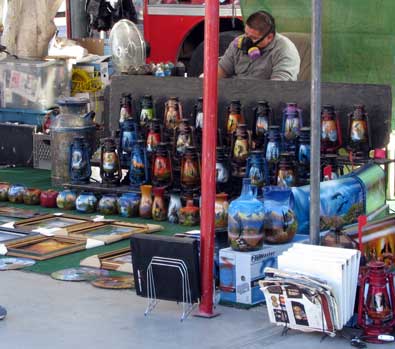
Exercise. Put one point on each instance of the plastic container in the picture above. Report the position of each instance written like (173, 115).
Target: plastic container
(32, 84)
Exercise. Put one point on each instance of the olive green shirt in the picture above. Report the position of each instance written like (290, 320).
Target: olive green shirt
(278, 61)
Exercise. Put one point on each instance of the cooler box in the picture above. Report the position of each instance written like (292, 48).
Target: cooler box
(239, 272)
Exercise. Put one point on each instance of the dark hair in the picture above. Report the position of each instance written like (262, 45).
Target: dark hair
(262, 21)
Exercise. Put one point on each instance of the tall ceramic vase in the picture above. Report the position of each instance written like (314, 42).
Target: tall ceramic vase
(145, 207)
(159, 209)
(280, 220)
(245, 220)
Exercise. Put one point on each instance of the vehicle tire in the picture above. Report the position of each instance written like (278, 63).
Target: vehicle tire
(195, 65)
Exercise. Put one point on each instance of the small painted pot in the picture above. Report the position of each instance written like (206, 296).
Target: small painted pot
(4, 187)
(15, 193)
(66, 199)
(108, 204)
(31, 196)
(86, 202)
(189, 215)
(128, 204)
(48, 198)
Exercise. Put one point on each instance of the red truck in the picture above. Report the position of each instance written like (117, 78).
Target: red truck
(175, 30)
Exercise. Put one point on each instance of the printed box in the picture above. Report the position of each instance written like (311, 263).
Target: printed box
(239, 272)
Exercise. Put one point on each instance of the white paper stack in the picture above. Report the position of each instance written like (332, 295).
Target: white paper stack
(316, 288)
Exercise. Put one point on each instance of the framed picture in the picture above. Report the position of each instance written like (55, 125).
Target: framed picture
(50, 221)
(107, 232)
(119, 260)
(45, 247)
(14, 212)
(8, 235)
(5, 219)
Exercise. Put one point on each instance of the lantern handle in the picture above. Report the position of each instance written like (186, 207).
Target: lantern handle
(361, 307)
(390, 278)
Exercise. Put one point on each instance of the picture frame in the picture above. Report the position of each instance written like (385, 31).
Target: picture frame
(45, 247)
(106, 232)
(51, 221)
(16, 212)
(8, 235)
(119, 260)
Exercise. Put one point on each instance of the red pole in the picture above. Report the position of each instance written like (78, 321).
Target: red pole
(210, 109)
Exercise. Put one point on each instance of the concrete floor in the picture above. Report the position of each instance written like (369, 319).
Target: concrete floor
(45, 313)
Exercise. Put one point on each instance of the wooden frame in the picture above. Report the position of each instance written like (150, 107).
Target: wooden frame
(8, 235)
(16, 212)
(48, 221)
(105, 231)
(114, 260)
(45, 247)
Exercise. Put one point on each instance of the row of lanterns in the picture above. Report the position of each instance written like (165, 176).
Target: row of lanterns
(168, 156)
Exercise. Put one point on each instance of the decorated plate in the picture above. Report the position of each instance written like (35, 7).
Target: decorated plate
(79, 274)
(11, 263)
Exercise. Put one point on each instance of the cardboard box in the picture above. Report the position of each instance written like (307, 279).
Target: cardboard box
(239, 272)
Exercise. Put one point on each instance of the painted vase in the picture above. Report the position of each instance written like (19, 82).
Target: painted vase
(15, 193)
(280, 220)
(31, 196)
(159, 209)
(66, 199)
(86, 202)
(174, 206)
(108, 204)
(145, 207)
(189, 215)
(128, 204)
(4, 187)
(245, 220)
(48, 198)
(221, 210)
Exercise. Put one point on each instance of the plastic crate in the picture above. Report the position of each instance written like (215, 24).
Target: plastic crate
(22, 116)
(42, 151)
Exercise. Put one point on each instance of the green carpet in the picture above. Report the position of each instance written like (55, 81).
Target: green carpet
(34, 178)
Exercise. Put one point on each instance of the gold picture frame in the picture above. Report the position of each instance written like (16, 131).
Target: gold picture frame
(106, 232)
(45, 247)
(50, 221)
(119, 260)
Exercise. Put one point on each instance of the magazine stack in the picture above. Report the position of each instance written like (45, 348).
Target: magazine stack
(313, 289)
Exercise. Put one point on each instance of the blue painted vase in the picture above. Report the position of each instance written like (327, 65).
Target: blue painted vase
(66, 199)
(16, 192)
(245, 220)
(108, 204)
(128, 204)
(86, 202)
(280, 220)
(257, 169)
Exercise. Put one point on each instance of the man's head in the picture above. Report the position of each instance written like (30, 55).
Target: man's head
(260, 27)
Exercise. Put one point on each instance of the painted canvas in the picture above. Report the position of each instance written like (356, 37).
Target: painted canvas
(15, 212)
(50, 221)
(45, 247)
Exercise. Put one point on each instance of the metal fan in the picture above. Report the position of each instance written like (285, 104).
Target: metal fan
(127, 46)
